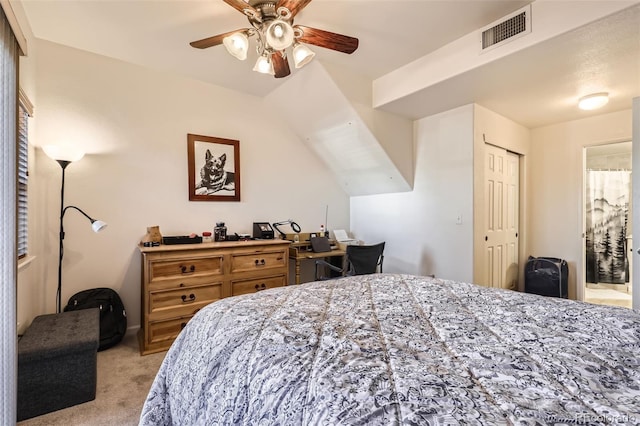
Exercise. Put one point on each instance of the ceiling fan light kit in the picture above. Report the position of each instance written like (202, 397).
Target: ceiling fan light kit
(279, 34)
(272, 23)
(264, 65)
(237, 44)
(302, 55)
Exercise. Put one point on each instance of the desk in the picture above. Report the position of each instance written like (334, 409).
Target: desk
(302, 251)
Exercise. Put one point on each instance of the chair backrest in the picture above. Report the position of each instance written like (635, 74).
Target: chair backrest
(365, 259)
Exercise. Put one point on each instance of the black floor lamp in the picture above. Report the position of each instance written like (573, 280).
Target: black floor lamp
(64, 158)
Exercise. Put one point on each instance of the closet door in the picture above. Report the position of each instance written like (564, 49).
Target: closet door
(501, 203)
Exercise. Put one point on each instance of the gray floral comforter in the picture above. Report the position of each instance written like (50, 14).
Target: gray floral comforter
(391, 349)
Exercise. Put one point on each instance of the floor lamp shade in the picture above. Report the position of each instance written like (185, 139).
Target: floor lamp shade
(66, 153)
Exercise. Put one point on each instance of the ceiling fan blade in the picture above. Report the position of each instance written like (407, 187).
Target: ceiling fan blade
(280, 65)
(212, 41)
(328, 40)
(240, 5)
(294, 6)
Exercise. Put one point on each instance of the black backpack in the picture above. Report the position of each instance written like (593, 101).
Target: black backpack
(113, 318)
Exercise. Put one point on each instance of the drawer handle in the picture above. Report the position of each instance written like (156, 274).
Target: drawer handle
(192, 298)
(260, 262)
(261, 287)
(184, 270)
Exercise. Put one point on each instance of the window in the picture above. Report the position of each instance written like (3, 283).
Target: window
(23, 175)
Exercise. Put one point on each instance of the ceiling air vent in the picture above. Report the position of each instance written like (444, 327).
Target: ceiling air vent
(506, 29)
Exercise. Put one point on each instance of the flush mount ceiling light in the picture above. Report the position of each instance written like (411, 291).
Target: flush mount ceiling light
(272, 26)
(593, 101)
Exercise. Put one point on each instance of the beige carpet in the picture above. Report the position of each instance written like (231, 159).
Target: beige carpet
(124, 379)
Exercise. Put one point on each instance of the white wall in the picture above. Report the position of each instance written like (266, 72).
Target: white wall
(556, 194)
(133, 123)
(420, 227)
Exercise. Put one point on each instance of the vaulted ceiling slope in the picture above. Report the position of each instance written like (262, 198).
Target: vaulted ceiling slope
(369, 152)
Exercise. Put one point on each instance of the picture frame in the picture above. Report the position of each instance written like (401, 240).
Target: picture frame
(213, 168)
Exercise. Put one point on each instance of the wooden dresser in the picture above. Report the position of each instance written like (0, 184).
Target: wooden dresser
(179, 280)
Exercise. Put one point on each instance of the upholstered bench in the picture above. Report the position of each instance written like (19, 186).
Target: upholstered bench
(57, 361)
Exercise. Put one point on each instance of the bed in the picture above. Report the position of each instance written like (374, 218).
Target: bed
(400, 349)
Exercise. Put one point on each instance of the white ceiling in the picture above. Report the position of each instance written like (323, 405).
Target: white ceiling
(532, 87)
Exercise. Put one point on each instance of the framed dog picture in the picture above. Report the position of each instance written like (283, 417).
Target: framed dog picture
(214, 168)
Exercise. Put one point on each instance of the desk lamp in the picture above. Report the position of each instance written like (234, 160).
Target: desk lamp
(64, 157)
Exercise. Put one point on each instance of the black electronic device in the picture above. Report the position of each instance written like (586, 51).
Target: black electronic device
(182, 239)
(262, 231)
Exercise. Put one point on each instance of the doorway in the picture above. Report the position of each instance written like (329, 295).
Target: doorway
(608, 224)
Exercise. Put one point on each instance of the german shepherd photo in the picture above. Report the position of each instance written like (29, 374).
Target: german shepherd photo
(213, 176)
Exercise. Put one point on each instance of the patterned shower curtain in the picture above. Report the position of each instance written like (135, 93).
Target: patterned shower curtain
(607, 201)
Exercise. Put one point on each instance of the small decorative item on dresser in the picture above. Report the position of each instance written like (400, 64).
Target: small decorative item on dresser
(220, 232)
(153, 235)
(206, 237)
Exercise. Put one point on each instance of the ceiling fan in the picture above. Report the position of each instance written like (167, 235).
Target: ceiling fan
(272, 23)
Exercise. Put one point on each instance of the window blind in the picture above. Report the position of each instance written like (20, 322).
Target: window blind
(23, 174)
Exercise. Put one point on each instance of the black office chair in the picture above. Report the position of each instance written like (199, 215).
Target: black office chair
(360, 260)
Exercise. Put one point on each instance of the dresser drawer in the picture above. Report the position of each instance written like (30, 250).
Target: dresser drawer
(252, 286)
(183, 268)
(182, 301)
(166, 331)
(258, 260)
(186, 281)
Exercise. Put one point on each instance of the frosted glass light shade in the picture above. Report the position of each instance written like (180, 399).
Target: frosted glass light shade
(594, 101)
(65, 153)
(264, 65)
(237, 44)
(302, 55)
(279, 34)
